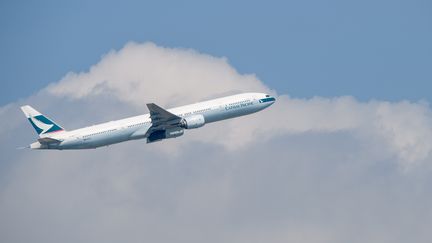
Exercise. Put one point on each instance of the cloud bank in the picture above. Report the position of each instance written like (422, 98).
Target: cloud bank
(304, 170)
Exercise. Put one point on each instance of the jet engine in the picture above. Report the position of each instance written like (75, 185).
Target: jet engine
(191, 122)
(164, 134)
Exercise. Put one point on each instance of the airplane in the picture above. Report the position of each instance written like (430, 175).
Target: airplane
(155, 126)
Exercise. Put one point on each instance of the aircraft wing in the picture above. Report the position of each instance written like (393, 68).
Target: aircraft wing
(162, 118)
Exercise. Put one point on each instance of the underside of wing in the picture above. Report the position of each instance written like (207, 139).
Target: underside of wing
(164, 124)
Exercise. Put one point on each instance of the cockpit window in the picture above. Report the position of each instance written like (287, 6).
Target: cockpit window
(268, 99)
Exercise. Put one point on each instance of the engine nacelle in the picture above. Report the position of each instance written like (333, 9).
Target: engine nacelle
(164, 134)
(194, 121)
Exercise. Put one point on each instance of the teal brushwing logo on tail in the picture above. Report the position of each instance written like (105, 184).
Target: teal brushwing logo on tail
(40, 123)
(44, 125)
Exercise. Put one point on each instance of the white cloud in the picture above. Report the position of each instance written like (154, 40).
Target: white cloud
(142, 73)
(304, 170)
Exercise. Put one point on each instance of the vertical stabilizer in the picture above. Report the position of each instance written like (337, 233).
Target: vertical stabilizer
(42, 124)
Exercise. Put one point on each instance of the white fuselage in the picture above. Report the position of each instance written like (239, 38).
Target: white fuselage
(136, 127)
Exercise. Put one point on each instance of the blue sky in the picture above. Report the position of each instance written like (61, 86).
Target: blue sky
(368, 49)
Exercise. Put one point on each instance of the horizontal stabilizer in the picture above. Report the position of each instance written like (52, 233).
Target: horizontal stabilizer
(48, 140)
(24, 147)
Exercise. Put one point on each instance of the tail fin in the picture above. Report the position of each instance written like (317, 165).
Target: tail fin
(42, 124)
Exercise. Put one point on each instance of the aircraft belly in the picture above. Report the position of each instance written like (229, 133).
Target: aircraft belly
(96, 141)
(115, 137)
